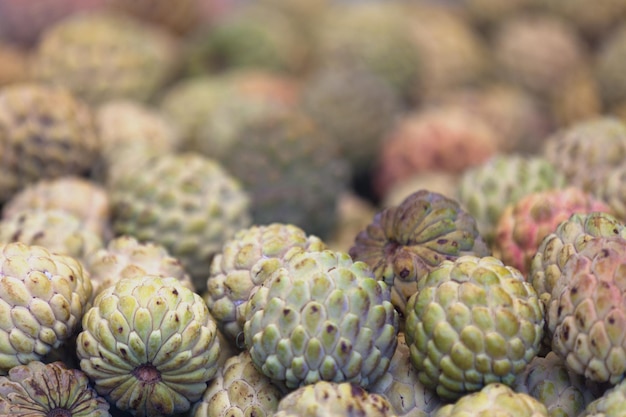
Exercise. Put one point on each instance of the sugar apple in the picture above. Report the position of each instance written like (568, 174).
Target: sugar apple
(473, 321)
(320, 316)
(334, 399)
(104, 55)
(185, 202)
(487, 189)
(611, 404)
(588, 151)
(253, 35)
(405, 242)
(355, 106)
(292, 169)
(524, 224)
(149, 345)
(494, 400)
(535, 50)
(52, 390)
(235, 270)
(547, 379)
(45, 132)
(443, 138)
(401, 387)
(589, 316)
(89, 202)
(569, 238)
(238, 389)
(42, 299)
(125, 257)
(56, 230)
(372, 35)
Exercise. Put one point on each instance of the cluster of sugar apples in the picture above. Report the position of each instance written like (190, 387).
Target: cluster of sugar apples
(171, 188)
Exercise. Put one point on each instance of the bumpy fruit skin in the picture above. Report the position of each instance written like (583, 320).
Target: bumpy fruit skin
(473, 321)
(254, 35)
(149, 345)
(588, 151)
(185, 202)
(609, 59)
(101, 56)
(89, 202)
(333, 399)
(42, 299)
(321, 316)
(40, 390)
(56, 230)
(548, 380)
(355, 106)
(291, 168)
(523, 225)
(610, 404)
(569, 238)
(235, 270)
(372, 35)
(494, 400)
(238, 389)
(613, 190)
(45, 132)
(589, 316)
(402, 388)
(126, 257)
(534, 51)
(487, 189)
(443, 138)
(405, 242)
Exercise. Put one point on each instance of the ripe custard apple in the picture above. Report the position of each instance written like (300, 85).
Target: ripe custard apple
(103, 55)
(89, 202)
(321, 317)
(49, 390)
(588, 151)
(149, 345)
(486, 190)
(185, 202)
(405, 242)
(45, 132)
(494, 400)
(548, 380)
(43, 296)
(238, 389)
(401, 386)
(324, 398)
(236, 270)
(589, 315)
(56, 230)
(569, 238)
(524, 224)
(125, 257)
(473, 321)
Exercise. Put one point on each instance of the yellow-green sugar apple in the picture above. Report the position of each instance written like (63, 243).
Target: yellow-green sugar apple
(149, 345)
(43, 297)
(473, 321)
(234, 273)
(321, 317)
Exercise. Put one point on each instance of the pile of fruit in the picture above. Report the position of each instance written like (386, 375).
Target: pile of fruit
(300, 208)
